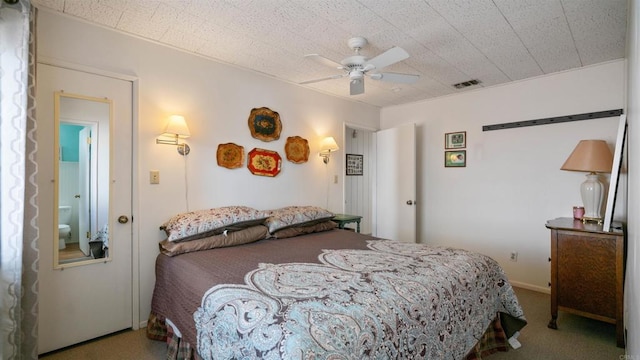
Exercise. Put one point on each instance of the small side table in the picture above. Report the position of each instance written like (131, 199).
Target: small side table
(587, 272)
(343, 219)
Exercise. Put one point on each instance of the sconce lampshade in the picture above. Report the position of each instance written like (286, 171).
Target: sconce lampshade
(326, 147)
(592, 156)
(177, 126)
(329, 144)
(176, 129)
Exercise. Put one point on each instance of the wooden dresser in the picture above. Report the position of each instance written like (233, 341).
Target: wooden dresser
(587, 272)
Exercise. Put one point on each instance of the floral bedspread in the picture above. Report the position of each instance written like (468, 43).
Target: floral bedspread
(393, 301)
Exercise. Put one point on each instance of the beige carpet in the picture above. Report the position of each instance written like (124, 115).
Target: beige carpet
(576, 338)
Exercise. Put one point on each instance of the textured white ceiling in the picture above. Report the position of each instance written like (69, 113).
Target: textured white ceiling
(449, 41)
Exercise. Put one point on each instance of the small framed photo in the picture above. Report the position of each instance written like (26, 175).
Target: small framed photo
(455, 140)
(354, 165)
(457, 158)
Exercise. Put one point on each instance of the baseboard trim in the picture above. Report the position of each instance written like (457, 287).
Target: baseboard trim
(541, 289)
(143, 324)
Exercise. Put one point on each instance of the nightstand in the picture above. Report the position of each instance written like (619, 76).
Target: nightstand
(587, 272)
(343, 219)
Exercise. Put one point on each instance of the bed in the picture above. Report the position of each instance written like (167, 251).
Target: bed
(312, 291)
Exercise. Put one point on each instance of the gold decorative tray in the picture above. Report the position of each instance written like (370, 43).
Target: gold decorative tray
(230, 155)
(297, 149)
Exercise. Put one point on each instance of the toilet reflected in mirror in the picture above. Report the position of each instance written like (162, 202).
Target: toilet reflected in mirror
(64, 229)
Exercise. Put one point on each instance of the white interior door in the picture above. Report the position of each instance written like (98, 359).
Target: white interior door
(81, 301)
(396, 183)
(84, 182)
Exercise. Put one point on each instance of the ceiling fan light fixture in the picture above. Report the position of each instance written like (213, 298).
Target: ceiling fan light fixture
(356, 75)
(357, 66)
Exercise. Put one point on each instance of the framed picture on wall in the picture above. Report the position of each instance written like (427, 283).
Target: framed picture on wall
(354, 165)
(456, 158)
(455, 140)
(615, 173)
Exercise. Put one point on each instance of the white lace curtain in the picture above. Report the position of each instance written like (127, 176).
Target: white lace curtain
(18, 190)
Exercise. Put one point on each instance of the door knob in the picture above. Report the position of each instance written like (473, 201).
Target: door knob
(409, 202)
(123, 219)
(77, 196)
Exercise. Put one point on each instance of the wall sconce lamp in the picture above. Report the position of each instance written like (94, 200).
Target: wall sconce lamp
(592, 156)
(326, 147)
(176, 129)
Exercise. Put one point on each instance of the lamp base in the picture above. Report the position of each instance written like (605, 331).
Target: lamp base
(591, 191)
(591, 219)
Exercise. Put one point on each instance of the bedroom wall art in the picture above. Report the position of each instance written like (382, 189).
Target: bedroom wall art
(230, 155)
(354, 164)
(297, 149)
(455, 140)
(457, 158)
(265, 124)
(264, 162)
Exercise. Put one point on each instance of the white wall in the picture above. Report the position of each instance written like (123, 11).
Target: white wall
(216, 100)
(512, 183)
(632, 285)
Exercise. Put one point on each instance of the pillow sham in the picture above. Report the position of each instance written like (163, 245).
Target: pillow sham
(202, 223)
(292, 231)
(295, 215)
(229, 238)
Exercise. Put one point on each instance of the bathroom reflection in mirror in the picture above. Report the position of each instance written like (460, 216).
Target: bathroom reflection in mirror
(82, 140)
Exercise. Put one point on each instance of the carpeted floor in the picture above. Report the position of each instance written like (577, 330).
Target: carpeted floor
(576, 338)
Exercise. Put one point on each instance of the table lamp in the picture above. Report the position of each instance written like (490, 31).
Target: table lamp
(592, 156)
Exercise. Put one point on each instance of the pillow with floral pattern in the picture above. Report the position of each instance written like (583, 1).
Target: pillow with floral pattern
(202, 223)
(295, 216)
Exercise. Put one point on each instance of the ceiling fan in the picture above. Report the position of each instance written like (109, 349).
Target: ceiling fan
(356, 67)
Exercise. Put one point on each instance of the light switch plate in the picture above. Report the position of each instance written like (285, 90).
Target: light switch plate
(154, 177)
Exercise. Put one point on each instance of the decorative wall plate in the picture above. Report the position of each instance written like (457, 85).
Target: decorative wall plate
(297, 149)
(264, 162)
(230, 155)
(265, 124)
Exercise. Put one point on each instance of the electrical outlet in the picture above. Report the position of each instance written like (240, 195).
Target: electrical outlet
(154, 177)
(514, 256)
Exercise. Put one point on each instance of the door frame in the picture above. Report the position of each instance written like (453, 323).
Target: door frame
(372, 172)
(135, 253)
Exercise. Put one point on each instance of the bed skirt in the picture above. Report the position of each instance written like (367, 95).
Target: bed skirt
(493, 340)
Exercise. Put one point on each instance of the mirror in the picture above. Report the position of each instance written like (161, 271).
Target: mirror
(82, 165)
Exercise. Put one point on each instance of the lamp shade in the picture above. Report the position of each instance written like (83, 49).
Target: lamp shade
(590, 156)
(329, 144)
(177, 126)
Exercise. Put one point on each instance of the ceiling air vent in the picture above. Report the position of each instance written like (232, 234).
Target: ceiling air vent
(466, 84)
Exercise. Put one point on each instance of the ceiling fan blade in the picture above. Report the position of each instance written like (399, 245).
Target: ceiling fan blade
(323, 60)
(387, 58)
(357, 87)
(396, 78)
(332, 77)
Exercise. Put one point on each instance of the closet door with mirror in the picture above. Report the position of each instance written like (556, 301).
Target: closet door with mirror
(85, 179)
